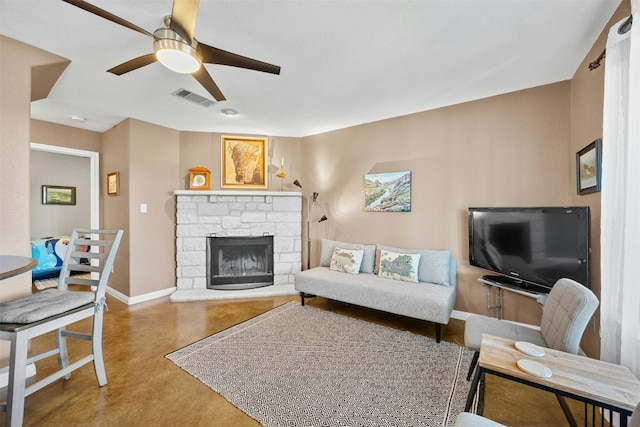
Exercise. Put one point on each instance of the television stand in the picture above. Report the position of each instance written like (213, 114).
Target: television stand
(501, 283)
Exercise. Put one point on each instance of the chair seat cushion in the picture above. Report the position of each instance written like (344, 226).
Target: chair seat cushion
(466, 419)
(477, 325)
(43, 304)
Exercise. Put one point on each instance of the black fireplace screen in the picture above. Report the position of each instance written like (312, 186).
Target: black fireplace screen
(244, 262)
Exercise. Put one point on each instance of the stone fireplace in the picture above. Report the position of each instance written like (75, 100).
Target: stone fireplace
(236, 214)
(239, 262)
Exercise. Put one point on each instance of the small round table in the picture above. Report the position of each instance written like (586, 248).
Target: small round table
(12, 265)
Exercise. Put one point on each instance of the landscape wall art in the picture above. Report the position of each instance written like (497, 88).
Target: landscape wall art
(387, 192)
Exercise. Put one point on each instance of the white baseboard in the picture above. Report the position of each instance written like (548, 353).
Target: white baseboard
(464, 315)
(140, 298)
(203, 294)
(183, 295)
(4, 376)
(460, 315)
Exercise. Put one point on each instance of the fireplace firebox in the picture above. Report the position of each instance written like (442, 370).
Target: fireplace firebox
(239, 262)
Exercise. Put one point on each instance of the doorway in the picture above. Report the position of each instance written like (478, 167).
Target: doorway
(94, 176)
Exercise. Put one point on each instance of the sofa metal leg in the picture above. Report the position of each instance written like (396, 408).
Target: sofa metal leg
(304, 295)
(474, 362)
(438, 327)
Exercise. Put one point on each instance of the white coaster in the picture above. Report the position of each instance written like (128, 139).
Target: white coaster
(530, 349)
(534, 368)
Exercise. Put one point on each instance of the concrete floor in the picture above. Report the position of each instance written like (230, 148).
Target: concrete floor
(146, 389)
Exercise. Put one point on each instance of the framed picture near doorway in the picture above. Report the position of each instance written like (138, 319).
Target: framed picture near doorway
(58, 195)
(113, 183)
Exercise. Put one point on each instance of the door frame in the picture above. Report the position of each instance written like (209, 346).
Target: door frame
(94, 172)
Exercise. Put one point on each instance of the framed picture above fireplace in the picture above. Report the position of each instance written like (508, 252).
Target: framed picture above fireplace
(244, 162)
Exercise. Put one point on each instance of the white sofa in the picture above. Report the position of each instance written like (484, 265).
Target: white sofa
(432, 298)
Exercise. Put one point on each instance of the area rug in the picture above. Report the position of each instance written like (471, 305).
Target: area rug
(300, 365)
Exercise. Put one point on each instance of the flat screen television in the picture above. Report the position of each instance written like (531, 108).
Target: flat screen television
(531, 247)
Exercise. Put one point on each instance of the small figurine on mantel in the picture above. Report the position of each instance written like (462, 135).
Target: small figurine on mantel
(199, 178)
(281, 174)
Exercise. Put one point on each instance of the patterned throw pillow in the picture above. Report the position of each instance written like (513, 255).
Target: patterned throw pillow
(435, 265)
(368, 259)
(346, 260)
(399, 266)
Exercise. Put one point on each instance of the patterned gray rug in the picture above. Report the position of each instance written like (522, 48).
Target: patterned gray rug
(299, 365)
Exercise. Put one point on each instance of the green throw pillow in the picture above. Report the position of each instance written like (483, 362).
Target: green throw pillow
(346, 260)
(399, 266)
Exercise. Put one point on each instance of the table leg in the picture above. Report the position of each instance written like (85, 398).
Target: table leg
(474, 387)
(567, 412)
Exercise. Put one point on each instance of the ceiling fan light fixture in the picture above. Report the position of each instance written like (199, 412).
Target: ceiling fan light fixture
(229, 112)
(175, 53)
(77, 119)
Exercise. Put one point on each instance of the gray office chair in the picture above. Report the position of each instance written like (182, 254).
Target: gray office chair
(54, 309)
(466, 419)
(565, 316)
(635, 417)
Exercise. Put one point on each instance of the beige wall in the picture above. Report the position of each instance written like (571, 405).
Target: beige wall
(508, 150)
(16, 61)
(65, 136)
(153, 162)
(61, 136)
(153, 177)
(204, 149)
(513, 149)
(115, 208)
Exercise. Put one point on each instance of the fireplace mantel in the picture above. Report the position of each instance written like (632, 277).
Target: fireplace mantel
(226, 213)
(237, 193)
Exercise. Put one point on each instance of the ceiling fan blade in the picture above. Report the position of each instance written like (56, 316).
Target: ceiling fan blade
(133, 64)
(213, 55)
(106, 15)
(203, 77)
(183, 17)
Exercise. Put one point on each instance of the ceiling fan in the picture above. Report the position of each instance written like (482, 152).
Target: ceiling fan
(176, 48)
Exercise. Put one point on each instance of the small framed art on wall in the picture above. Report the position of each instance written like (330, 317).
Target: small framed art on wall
(58, 195)
(589, 168)
(113, 184)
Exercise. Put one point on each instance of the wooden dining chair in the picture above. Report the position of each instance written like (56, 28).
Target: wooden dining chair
(53, 309)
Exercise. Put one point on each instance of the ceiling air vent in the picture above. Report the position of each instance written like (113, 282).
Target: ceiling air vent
(194, 97)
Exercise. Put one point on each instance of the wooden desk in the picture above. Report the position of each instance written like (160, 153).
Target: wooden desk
(12, 265)
(592, 381)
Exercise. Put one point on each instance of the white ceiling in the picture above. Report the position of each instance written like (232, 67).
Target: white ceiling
(344, 62)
